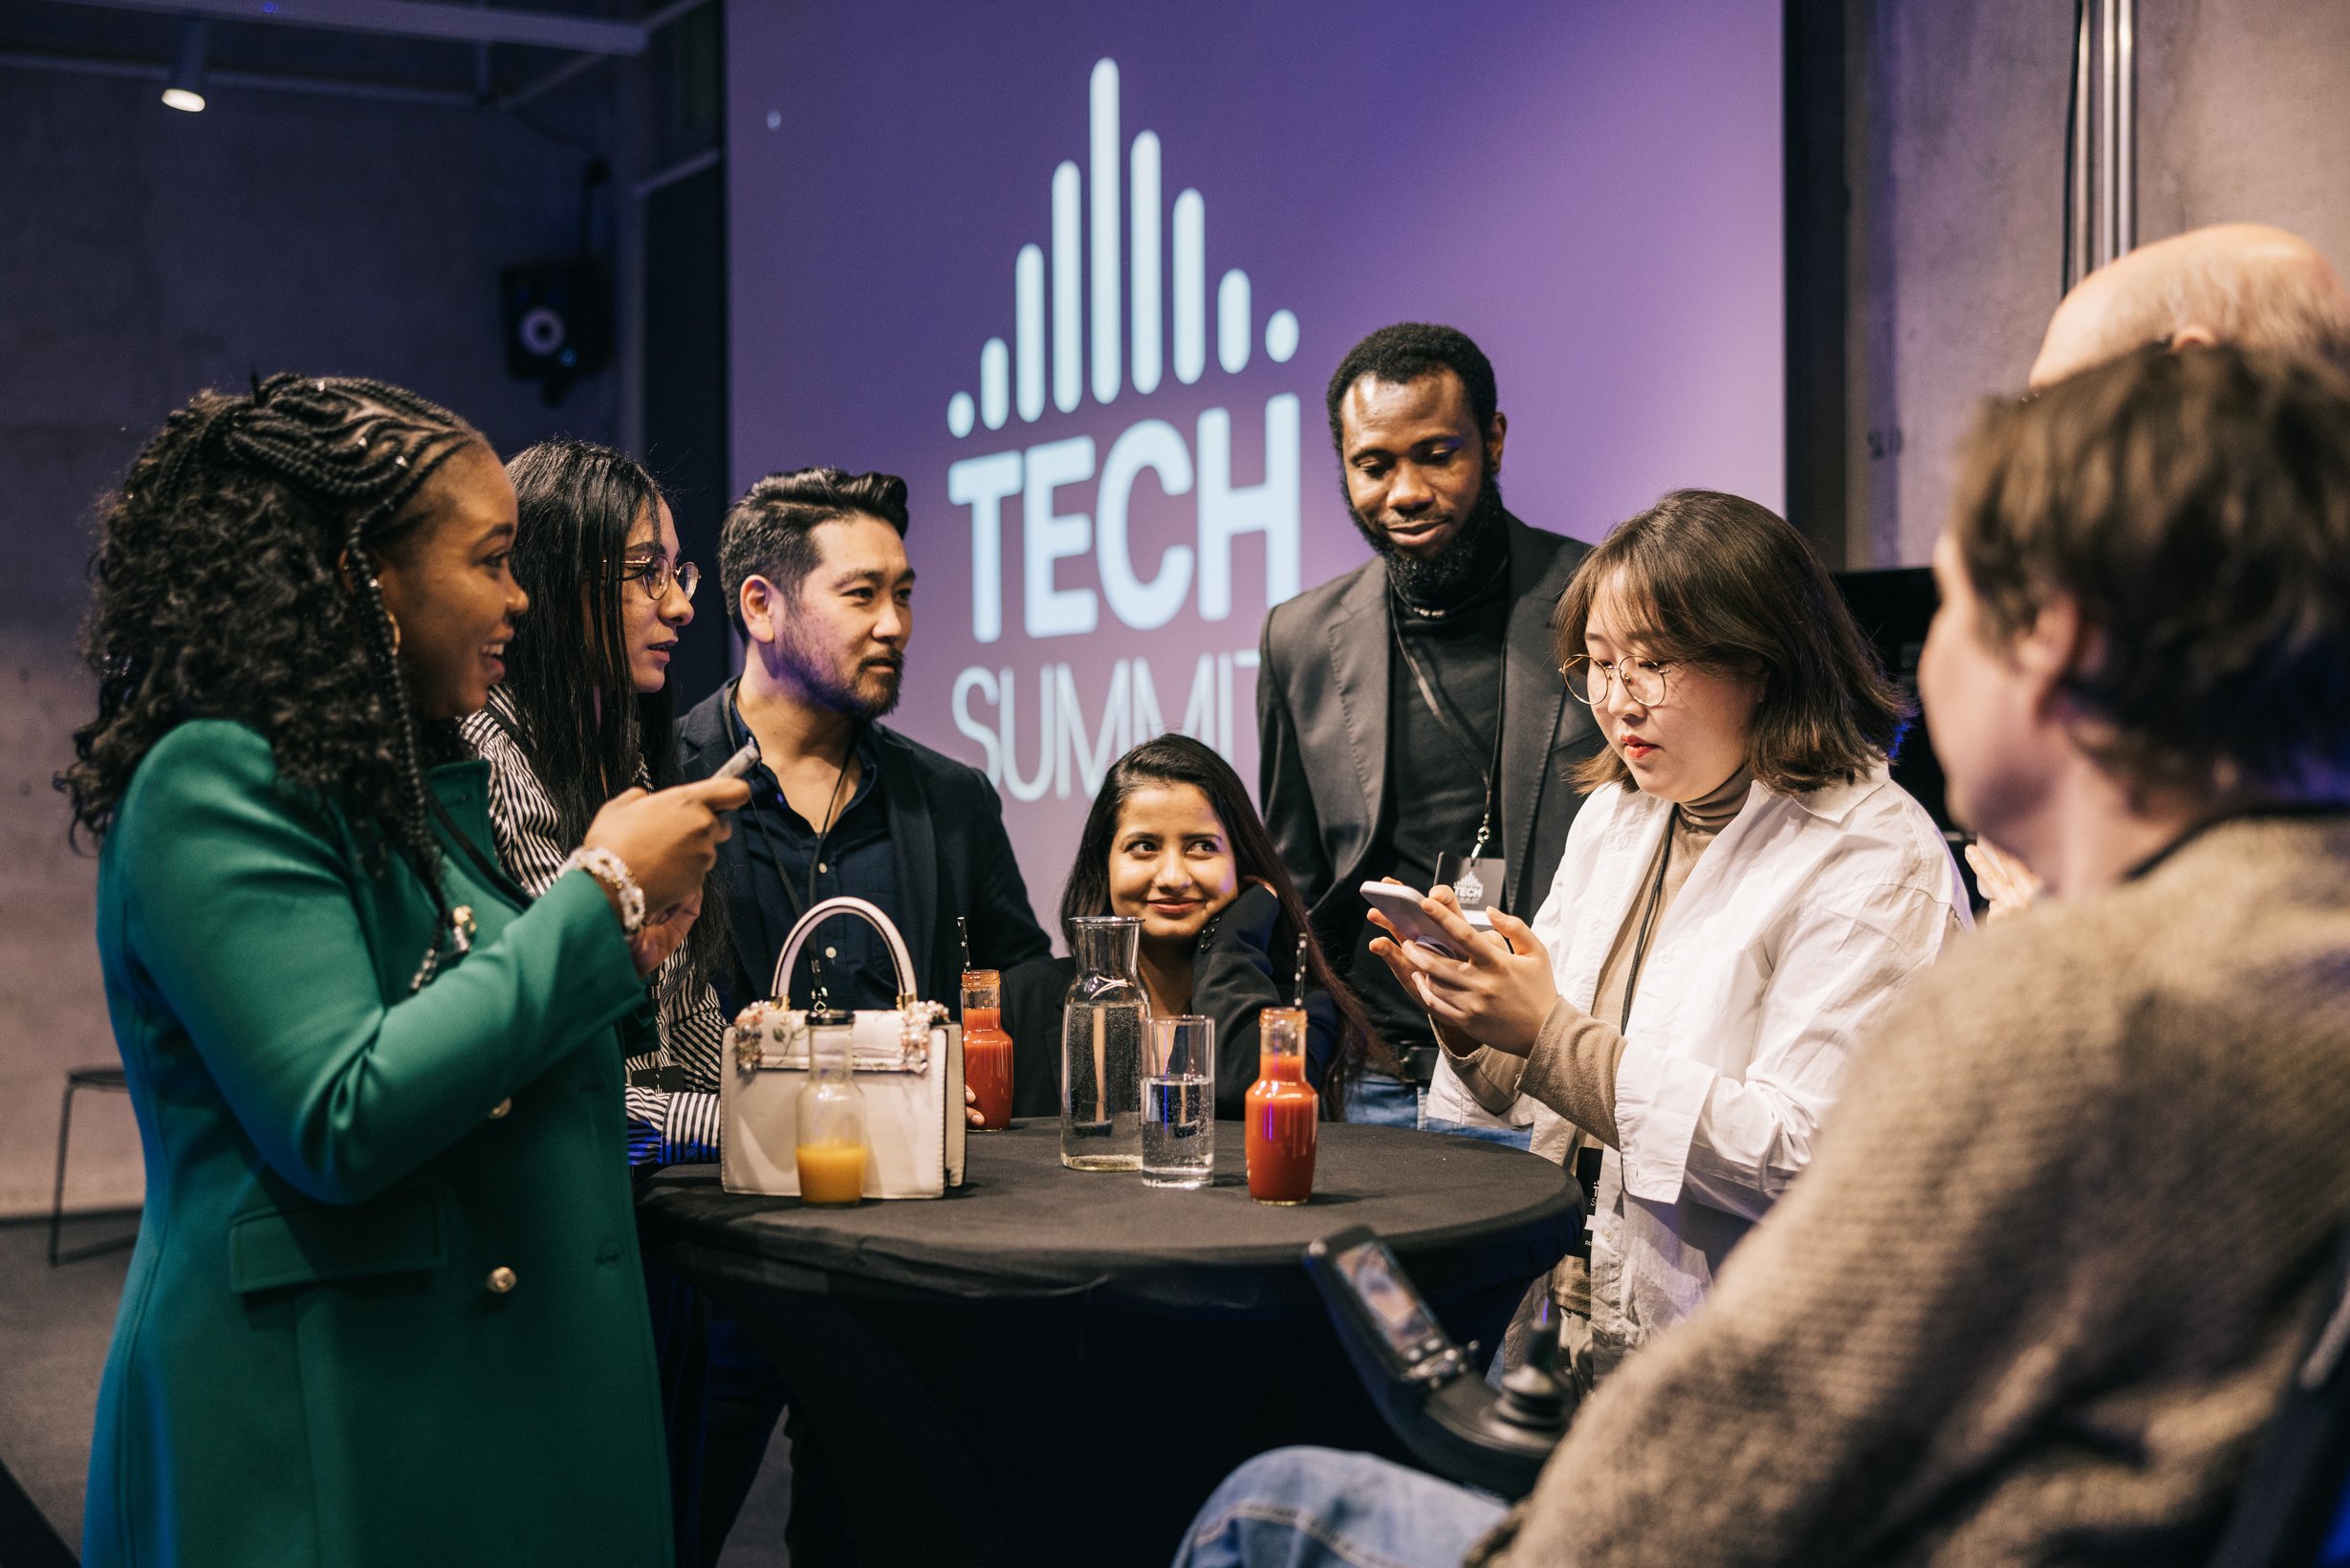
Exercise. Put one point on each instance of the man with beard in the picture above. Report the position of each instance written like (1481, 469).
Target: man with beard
(815, 575)
(1412, 717)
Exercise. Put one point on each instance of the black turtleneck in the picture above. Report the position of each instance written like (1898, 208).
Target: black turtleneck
(1435, 787)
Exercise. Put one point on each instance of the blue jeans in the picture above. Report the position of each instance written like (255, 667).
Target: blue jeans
(1517, 1138)
(1320, 1508)
(1383, 1100)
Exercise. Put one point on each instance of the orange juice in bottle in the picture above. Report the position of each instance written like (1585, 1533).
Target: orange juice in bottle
(830, 1143)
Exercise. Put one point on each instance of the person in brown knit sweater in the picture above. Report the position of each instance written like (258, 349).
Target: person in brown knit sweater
(2061, 1243)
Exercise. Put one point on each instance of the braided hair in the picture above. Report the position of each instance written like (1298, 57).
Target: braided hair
(233, 580)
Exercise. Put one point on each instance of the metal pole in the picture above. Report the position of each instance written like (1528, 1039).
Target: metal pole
(2076, 228)
(2123, 154)
(2108, 194)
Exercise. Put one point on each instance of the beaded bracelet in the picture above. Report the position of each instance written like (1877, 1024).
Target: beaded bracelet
(611, 872)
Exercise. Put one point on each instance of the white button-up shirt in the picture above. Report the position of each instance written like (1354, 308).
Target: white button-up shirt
(1794, 931)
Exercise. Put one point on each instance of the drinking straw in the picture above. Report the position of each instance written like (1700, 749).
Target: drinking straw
(1301, 969)
(963, 933)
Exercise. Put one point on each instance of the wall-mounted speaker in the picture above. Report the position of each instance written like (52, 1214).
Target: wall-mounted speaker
(558, 321)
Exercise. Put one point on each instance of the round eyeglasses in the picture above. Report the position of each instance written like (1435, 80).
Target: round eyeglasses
(655, 577)
(1645, 681)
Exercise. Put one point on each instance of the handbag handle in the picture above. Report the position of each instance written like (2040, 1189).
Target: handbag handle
(873, 917)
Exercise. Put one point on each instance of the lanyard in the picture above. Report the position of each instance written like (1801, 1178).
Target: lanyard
(1648, 924)
(1490, 770)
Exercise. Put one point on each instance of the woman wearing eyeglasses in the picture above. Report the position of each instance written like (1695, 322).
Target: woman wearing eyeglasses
(1744, 890)
(584, 713)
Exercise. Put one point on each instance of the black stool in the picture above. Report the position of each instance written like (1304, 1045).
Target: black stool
(116, 1081)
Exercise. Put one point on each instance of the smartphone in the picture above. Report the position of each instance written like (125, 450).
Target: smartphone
(741, 762)
(1401, 905)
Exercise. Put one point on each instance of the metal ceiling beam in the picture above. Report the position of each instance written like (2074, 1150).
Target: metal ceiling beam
(578, 65)
(423, 19)
(269, 81)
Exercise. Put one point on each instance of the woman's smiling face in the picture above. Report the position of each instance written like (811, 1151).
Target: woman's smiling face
(449, 584)
(1171, 861)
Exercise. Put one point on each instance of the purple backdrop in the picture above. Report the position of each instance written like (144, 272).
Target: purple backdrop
(1590, 190)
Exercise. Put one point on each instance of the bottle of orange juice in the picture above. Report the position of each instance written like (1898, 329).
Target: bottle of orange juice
(830, 1114)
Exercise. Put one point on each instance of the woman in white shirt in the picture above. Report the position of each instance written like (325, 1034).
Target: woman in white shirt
(1746, 888)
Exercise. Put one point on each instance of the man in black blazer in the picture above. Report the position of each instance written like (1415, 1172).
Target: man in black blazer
(1412, 717)
(814, 569)
(815, 574)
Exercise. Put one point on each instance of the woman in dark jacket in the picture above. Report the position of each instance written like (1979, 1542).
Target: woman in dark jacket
(384, 1307)
(1173, 840)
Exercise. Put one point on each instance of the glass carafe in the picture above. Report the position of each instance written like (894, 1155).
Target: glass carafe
(1102, 1021)
(830, 1114)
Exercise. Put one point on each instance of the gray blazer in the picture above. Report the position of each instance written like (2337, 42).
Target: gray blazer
(1321, 714)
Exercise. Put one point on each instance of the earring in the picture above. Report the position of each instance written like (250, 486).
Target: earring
(392, 621)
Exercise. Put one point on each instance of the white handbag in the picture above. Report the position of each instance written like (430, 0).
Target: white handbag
(909, 1064)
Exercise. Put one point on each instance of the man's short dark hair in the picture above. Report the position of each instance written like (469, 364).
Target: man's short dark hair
(765, 534)
(1405, 353)
(2196, 506)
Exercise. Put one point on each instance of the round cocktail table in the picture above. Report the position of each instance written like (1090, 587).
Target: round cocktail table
(1052, 1367)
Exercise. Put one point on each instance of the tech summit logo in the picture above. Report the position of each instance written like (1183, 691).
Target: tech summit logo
(1126, 349)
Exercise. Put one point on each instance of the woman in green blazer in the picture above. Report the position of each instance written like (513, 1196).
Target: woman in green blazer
(385, 1307)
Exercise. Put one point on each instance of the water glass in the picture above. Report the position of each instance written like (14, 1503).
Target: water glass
(1179, 1102)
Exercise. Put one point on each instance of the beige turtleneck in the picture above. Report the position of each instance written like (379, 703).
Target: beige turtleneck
(1571, 1067)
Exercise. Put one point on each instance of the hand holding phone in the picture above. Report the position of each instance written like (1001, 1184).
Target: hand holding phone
(1401, 904)
(740, 764)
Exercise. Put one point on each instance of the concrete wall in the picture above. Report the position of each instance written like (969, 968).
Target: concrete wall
(1956, 146)
(2242, 116)
(145, 254)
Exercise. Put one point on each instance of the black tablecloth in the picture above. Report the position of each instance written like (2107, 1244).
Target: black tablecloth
(1462, 1213)
(1053, 1368)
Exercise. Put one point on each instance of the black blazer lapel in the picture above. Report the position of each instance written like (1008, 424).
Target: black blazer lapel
(916, 845)
(746, 926)
(1359, 671)
(701, 745)
(1534, 702)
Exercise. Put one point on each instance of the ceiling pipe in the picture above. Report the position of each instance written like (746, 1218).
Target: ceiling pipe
(420, 20)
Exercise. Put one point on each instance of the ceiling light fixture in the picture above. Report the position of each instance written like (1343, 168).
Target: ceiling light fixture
(186, 90)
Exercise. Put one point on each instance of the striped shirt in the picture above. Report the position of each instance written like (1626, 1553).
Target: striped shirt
(672, 1090)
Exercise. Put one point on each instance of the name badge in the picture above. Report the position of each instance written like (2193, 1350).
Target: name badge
(1478, 882)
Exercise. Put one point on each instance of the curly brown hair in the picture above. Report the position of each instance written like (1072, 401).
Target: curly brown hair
(231, 581)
